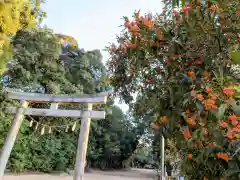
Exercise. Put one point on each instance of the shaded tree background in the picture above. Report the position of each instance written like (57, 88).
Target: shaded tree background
(181, 68)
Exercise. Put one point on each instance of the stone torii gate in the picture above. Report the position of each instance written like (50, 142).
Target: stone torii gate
(55, 100)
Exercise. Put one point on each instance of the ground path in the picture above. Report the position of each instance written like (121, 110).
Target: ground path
(133, 174)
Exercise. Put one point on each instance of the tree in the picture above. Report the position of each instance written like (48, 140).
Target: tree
(37, 52)
(16, 15)
(181, 68)
(112, 141)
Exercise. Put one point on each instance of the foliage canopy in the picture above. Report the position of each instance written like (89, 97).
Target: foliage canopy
(16, 15)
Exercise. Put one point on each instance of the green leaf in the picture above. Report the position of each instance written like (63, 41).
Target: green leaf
(220, 113)
(185, 102)
(235, 56)
(200, 107)
(235, 107)
(183, 2)
(237, 96)
(232, 171)
(174, 3)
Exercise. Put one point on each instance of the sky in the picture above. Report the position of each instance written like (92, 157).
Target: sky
(94, 23)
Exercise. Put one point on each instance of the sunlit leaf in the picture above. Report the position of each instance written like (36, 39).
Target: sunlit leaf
(235, 56)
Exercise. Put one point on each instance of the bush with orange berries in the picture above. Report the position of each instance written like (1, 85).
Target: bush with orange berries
(181, 68)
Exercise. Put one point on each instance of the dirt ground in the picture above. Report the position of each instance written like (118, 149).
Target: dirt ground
(133, 174)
